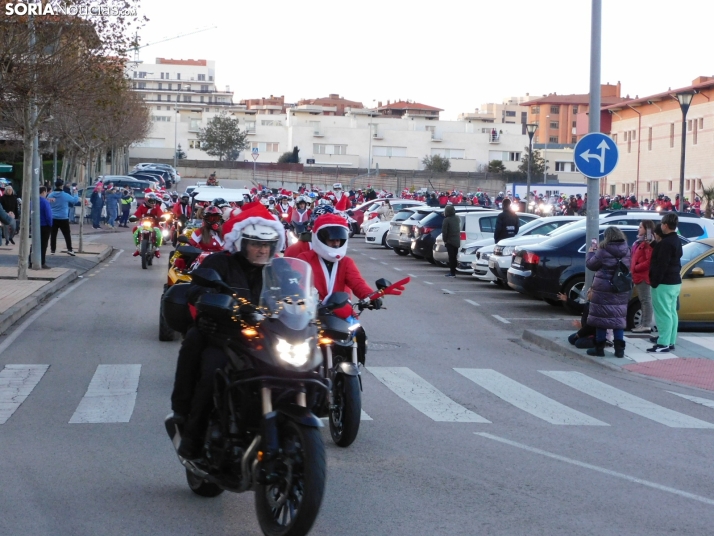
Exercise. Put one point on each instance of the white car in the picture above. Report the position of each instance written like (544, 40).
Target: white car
(377, 232)
(480, 264)
(540, 226)
(371, 217)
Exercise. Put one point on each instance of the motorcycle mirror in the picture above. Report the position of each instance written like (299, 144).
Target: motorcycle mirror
(132, 219)
(182, 239)
(337, 300)
(382, 283)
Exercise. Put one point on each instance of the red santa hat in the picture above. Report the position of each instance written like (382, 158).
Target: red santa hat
(251, 214)
(328, 253)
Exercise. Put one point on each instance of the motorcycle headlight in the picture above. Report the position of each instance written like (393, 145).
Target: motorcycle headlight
(165, 233)
(294, 354)
(146, 224)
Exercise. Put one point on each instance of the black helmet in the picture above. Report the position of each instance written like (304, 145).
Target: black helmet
(218, 201)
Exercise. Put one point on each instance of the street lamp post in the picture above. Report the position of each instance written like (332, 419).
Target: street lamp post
(685, 99)
(530, 128)
(175, 133)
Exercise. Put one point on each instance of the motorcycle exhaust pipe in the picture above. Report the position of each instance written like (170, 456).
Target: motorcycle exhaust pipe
(247, 476)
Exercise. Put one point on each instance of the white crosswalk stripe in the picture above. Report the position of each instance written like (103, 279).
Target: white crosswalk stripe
(621, 399)
(706, 342)
(423, 396)
(16, 384)
(527, 399)
(111, 395)
(703, 401)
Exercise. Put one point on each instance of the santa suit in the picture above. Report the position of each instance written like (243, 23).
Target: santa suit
(339, 273)
(216, 243)
(297, 248)
(144, 210)
(341, 201)
(179, 209)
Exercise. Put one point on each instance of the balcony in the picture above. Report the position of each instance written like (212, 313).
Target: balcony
(377, 136)
(318, 133)
(494, 139)
(436, 137)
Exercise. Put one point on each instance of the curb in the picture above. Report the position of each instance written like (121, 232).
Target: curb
(548, 344)
(20, 309)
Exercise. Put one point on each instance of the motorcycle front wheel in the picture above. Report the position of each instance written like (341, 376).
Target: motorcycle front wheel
(144, 253)
(345, 416)
(289, 506)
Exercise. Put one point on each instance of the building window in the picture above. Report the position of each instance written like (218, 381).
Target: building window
(142, 74)
(649, 139)
(210, 78)
(187, 98)
(648, 187)
(575, 110)
(687, 184)
(575, 123)
(535, 110)
(689, 124)
(201, 98)
(456, 154)
(629, 142)
(633, 134)
(142, 85)
(161, 118)
(315, 127)
(389, 151)
(613, 190)
(265, 147)
(671, 135)
(249, 126)
(321, 148)
(614, 138)
(699, 184)
(204, 88)
(553, 139)
(158, 97)
(168, 98)
(202, 77)
(670, 186)
(555, 109)
(701, 123)
(510, 113)
(564, 166)
(695, 130)
(554, 124)
(271, 123)
(162, 76)
(178, 76)
(512, 156)
(194, 144)
(574, 139)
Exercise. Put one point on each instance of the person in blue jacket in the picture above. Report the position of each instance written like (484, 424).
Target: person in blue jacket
(60, 216)
(45, 226)
(112, 198)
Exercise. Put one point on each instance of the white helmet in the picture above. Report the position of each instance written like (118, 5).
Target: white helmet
(324, 201)
(337, 186)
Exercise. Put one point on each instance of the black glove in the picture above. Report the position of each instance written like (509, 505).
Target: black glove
(206, 325)
(377, 304)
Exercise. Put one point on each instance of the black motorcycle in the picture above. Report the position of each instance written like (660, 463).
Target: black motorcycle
(341, 342)
(261, 435)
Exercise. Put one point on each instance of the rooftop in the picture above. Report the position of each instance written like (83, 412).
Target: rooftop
(406, 105)
(698, 84)
(166, 61)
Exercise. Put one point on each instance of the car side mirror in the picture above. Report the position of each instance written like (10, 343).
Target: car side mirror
(697, 272)
(337, 300)
(182, 239)
(382, 283)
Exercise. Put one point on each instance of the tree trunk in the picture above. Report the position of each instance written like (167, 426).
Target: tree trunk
(24, 250)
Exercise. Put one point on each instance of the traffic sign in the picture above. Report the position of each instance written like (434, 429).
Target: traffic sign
(255, 156)
(254, 150)
(596, 155)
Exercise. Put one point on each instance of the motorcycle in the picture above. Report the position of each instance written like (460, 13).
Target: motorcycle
(261, 434)
(179, 224)
(340, 347)
(147, 240)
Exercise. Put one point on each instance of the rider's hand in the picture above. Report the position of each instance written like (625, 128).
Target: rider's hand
(206, 325)
(377, 304)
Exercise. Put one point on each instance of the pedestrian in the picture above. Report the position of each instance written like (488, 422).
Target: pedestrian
(73, 207)
(385, 212)
(608, 307)
(666, 283)
(126, 200)
(45, 227)
(585, 336)
(507, 223)
(640, 270)
(60, 216)
(9, 202)
(112, 201)
(451, 235)
(97, 201)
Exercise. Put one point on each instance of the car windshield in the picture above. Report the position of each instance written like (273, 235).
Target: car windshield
(403, 215)
(416, 217)
(533, 224)
(434, 218)
(693, 250)
(288, 293)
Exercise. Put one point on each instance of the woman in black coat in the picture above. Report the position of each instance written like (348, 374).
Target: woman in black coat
(608, 308)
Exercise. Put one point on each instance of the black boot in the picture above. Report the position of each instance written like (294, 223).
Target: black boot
(599, 350)
(619, 348)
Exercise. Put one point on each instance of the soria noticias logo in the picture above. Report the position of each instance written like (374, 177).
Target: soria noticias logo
(39, 8)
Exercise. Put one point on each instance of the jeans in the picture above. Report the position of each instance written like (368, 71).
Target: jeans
(111, 217)
(644, 292)
(601, 334)
(664, 301)
(125, 216)
(453, 252)
(96, 215)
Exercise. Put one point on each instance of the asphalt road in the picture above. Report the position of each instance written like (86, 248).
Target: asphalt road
(472, 431)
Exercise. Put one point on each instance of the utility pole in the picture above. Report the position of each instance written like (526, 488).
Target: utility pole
(592, 225)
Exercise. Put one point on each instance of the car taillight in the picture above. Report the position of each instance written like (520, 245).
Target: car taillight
(426, 230)
(372, 215)
(530, 258)
(463, 235)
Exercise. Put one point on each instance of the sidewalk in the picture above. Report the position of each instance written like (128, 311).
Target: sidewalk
(17, 298)
(691, 363)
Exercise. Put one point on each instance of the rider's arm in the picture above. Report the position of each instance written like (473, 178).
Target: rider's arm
(354, 280)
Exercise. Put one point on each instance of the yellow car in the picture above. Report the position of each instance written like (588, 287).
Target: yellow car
(696, 299)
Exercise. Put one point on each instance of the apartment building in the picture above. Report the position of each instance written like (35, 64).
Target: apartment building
(510, 110)
(648, 133)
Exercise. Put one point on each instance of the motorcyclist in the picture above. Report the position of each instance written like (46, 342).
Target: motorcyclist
(212, 180)
(304, 242)
(210, 236)
(300, 215)
(150, 209)
(252, 242)
(333, 271)
(168, 203)
(183, 207)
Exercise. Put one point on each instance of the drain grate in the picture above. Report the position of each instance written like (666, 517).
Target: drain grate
(381, 346)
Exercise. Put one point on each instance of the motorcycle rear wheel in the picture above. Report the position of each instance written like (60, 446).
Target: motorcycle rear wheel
(144, 255)
(290, 506)
(345, 418)
(201, 487)
(165, 332)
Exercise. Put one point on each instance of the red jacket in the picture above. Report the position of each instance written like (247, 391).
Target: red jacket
(640, 263)
(179, 209)
(296, 249)
(155, 213)
(348, 277)
(216, 243)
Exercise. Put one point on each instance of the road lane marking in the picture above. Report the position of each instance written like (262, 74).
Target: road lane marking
(527, 399)
(621, 399)
(364, 417)
(703, 401)
(110, 396)
(397, 269)
(500, 319)
(423, 396)
(446, 291)
(428, 283)
(472, 303)
(603, 470)
(16, 384)
(412, 275)
(373, 258)
(385, 263)
(706, 342)
(15, 334)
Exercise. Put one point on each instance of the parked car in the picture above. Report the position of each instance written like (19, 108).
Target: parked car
(377, 231)
(479, 265)
(476, 226)
(696, 298)
(176, 177)
(429, 229)
(690, 225)
(403, 245)
(371, 215)
(148, 177)
(162, 174)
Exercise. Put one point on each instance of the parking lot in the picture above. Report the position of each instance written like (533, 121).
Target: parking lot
(503, 306)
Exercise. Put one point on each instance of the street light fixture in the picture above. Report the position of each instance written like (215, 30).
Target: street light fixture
(685, 99)
(530, 128)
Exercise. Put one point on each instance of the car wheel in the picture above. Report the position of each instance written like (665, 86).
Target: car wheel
(401, 252)
(634, 314)
(384, 242)
(572, 290)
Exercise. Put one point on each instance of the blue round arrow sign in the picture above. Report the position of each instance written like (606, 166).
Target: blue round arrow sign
(596, 155)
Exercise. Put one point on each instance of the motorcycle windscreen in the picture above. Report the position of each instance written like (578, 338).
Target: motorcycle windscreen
(288, 293)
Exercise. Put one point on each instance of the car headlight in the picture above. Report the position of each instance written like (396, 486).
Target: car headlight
(373, 229)
(470, 251)
(507, 250)
(485, 256)
(296, 355)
